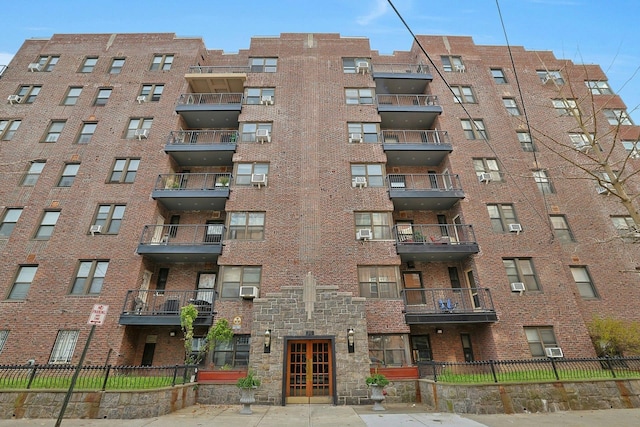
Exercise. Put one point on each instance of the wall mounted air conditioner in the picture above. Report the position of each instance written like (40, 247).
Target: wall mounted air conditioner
(14, 99)
(515, 228)
(355, 137)
(485, 177)
(248, 292)
(553, 352)
(364, 234)
(362, 67)
(95, 229)
(259, 179)
(141, 99)
(263, 135)
(518, 287)
(34, 67)
(141, 133)
(460, 68)
(266, 100)
(359, 181)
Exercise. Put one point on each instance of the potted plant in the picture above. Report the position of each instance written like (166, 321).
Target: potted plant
(222, 181)
(377, 383)
(247, 385)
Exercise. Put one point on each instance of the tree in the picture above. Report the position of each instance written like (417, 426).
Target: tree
(219, 332)
(613, 337)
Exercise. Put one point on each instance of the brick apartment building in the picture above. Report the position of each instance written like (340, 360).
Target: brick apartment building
(337, 206)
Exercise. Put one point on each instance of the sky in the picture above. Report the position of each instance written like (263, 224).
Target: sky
(584, 31)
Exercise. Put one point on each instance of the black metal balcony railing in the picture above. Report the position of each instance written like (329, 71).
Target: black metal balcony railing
(168, 303)
(433, 137)
(401, 68)
(204, 137)
(210, 98)
(182, 235)
(434, 234)
(426, 182)
(447, 300)
(193, 181)
(407, 100)
(219, 69)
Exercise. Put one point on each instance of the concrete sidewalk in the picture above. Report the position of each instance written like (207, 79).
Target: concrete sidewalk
(350, 416)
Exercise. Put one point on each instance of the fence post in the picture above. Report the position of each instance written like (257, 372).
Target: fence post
(555, 371)
(106, 377)
(175, 374)
(433, 368)
(493, 371)
(32, 375)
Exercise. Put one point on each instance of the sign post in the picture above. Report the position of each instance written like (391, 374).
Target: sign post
(98, 314)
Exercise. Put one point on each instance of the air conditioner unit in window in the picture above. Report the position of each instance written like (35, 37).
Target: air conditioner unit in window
(34, 67)
(362, 67)
(485, 177)
(248, 292)
(515, 228)
(14, 99)
(359, 181)
(355, 137)
(546, 79)
(266, 100)
(518, 287)
(553, 352)
(95, 229)
(263, 135)
(460, 68)
(259, 179)
(364, 234)
(141, 99)
(141, 133)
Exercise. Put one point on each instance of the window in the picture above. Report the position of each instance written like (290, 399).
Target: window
(137, 124)
(378, 222)
(9, 220)
(543, 181)
(498, 76)
(525, 141)
(378, 281)
(54, 131)
(566, 107)
(48, 222)
(4, 334)
(68, 174)
(254, 95)
(598, 88)
(452, 63)
(474, 129)
(8, 129)
(632, 147)
(463, 95)
(248, 131)
(521, 270)
(561, 228)
(359, 96)
(161, 62)
(116, 66)
(617, 117)
(245, 170)
(64, 346)
(232, 354)
(124, 170)
(31, 177)
(547, 76)
(102, 97)
(583, 281)
(368, 131)
(349, 65)
(624, 225)
(387, 350)
(89, 277)
(110, 218)
(540, 338)
(234, 277)
(89, 64)
(264, 65)
(501, 216)
(246, 225)
(152, 92)
(603, 184)
(371, 172)
(28, 94)
(86, 132)
(71, 98)
(511, 106)
(490, 166)
(48, 62)
(582, 141)
(23, 281)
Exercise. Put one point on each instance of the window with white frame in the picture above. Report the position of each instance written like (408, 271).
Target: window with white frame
(378, 222)
(89, 64)
(474, 129)
(498, 76)
(603, 182)
(53, 131)
(581, 276)
(540, 338)
(371, 173)
(501, 216)
(246, 225)
(632, 148)
(32, 175)
(388, 350)
(71, 98)
(233, 277)
(546, 76)
(625, 225)
(259, 95)
(86, 132)
(68, 175)
(526, 143)
(452, 63)
(561, 228)
(9, 221)
(350, 65)
(8, 129)
(263, 65)
(521, 270)
(22, 282)
(124, 170)
(378, 281)
(138, 126)
(582, 141)
(617, 117)
(366, 132)
(64, 346)
(161, 62)
(110, 218)
(489, 166)
(89, 277)
(103, 96)
(511, 106)
(463, 95)
(116, 65)
(249, 131)
(566, 107)
(47, 224)
(245, 170)
(599, 87)
(541, 177)
(28, 93)
(359, 96)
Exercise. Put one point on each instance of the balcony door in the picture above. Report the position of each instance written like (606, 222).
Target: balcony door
(309, 372)
(473, 290)
(413, 287)
(206, 285)
(213, 232)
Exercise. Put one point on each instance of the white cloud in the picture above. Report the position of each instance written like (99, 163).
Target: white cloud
(5, 58)
(380, 7)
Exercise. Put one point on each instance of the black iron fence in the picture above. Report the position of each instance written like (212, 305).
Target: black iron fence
(533, 370)
(95, 377)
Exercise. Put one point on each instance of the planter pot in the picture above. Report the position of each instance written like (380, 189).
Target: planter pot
(377, 396)
(247, 397)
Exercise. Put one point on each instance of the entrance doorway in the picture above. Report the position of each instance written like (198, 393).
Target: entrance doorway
(309, 372)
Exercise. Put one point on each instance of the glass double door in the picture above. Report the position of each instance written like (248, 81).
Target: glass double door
(309, 372)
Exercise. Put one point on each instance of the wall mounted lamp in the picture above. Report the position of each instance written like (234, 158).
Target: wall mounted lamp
(351, 340)
(438, 331)
(267, 341)
(172, 333)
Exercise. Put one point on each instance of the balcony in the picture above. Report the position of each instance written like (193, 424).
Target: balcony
(192, 191)
(407, 111)
(415, 147)
(424, 192)
(448, 305)
(202, 147)
(182, 243)
(210, 110)
(162, 308)
(434, 242)
(213, 79)
(401, 78)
